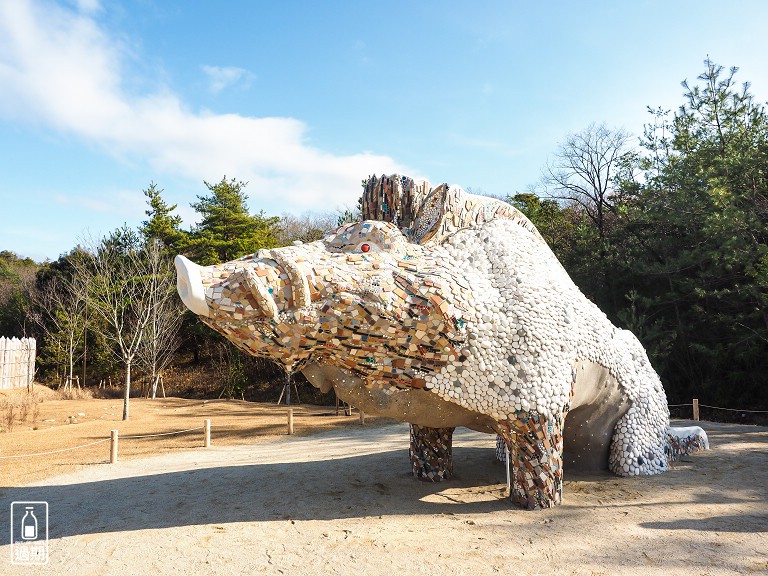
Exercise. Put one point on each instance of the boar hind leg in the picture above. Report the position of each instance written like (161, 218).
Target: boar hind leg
(536, 457)
(430, 453)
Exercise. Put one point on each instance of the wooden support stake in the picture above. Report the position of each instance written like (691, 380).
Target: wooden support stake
(113, 447)
(207, 429)
(696, 409)
(362, 418)
(290, 420)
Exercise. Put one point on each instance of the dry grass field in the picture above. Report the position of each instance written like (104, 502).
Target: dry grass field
(52, 423)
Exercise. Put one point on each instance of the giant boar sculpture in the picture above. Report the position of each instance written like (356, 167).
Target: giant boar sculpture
(445, 309)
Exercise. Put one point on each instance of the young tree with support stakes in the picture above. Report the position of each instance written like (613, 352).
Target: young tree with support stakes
(121, 274)
(160, 340)
(59, 311)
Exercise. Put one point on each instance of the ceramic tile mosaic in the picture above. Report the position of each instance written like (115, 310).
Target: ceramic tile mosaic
(450, 296)
(684, 441)
(430, 453)
(427, 214)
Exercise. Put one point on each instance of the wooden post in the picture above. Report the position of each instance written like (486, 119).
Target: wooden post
(362, 418)
(207, 428)
(290, 420)
(113, 447)
(696, 409)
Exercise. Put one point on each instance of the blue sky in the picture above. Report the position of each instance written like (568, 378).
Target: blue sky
(305, 99)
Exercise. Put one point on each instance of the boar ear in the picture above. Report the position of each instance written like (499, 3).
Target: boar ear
(429, 216)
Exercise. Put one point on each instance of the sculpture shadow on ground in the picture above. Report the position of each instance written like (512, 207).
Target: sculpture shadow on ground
(366, 485)
(728, 523)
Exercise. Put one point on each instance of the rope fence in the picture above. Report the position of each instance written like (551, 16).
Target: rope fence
(161, 434)
(206, 427)
(735, 409)
(54, 451)
(696, 409)
(115, 438)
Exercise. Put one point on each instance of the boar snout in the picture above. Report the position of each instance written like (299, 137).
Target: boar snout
(189, 283)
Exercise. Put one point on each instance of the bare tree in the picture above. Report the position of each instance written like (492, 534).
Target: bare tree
(59, 311)
(121, 274)
(306, 228)
(584, 168)
(160, 340)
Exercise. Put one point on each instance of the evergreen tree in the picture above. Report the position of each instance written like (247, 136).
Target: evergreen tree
(163, 224)
(555, 223)
(17, 279)
(697, 239)
(228, 230)
(680, 254)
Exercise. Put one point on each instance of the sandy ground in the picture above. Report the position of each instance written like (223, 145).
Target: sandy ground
(343, 502)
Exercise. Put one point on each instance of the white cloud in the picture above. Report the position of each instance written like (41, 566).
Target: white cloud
(61, 70)
(88, 6)
(220, 78)
(126, 203)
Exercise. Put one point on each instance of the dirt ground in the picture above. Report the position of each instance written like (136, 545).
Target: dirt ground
(342, 501)
(63, 424)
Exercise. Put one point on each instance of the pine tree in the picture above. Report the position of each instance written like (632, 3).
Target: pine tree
(228, 230)
(698, 232)
(163, 224)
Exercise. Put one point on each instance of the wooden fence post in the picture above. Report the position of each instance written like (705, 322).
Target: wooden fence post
(696, 409)
(207, 427)
(290, 420)
(113, 447)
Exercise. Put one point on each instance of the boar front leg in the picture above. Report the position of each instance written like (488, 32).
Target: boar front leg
(536, 456)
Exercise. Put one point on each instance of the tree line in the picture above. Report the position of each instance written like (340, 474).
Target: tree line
(112, 301)
(669, 236)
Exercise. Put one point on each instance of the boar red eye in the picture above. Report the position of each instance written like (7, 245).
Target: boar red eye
(365, 247)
